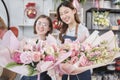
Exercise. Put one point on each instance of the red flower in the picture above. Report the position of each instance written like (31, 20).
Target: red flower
(56, 24)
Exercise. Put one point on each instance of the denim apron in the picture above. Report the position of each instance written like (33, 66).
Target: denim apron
(43, 76)
(82, 76)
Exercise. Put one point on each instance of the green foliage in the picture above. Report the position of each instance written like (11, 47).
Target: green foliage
(31, 70)
(12, 64)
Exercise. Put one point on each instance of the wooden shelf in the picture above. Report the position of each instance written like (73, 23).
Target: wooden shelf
(104, 30)
(111, 10)
(113, 14)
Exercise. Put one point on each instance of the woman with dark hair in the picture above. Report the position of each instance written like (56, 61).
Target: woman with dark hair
(73, 29)
(42, 27)
(46, 23)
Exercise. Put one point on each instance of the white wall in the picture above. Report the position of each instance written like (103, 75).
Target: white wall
(2, 12)
(16, 11)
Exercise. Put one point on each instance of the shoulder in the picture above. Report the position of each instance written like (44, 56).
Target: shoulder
(82, 27)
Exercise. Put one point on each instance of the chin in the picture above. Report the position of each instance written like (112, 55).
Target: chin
(42, 33)
(68, 22)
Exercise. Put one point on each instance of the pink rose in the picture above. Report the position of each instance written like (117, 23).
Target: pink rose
(74, 60)
(26, 57)
(16, 57)
(49, 58)
(84, 60)
(36, 56)
(86, 47)
(75, 53)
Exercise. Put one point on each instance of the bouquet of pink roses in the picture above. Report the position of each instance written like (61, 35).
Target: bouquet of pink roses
(30, 57)
(72, 57)
(94, 52)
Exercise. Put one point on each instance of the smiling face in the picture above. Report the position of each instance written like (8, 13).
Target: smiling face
(42, 26)
(67, 14)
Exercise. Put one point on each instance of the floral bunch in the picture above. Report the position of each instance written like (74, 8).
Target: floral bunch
(84, 56)
(71, 57)
(101, 19)
(35, 54)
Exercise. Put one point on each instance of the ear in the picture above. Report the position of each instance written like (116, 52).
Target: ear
(74, 10)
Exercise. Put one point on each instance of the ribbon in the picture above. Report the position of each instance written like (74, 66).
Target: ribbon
(97, 4)
(38, 76)
(68, 78)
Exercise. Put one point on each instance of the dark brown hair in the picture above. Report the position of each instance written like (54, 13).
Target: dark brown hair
(65, 26)
(50, 24)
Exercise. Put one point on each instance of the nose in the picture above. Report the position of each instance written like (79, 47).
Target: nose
(63, 16)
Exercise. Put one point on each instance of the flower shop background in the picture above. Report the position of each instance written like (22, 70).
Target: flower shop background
(18, 18)
(16, 10)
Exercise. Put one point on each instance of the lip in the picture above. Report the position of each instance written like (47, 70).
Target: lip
(66, 19)
(41, 30)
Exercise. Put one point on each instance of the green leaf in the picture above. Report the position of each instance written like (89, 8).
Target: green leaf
(12, 64)
(31, 70)
(37, 41)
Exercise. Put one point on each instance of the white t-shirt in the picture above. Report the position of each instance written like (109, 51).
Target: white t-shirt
(82, 33)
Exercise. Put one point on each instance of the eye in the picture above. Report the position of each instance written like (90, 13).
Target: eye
(66, 12)
(61, 14)
(44, 24)
(39, 23)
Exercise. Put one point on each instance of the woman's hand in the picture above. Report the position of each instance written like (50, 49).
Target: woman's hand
(66, 68)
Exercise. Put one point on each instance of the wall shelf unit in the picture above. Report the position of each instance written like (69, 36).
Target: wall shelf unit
(102, 19)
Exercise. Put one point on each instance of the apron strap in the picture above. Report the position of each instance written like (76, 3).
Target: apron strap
(76, 31)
